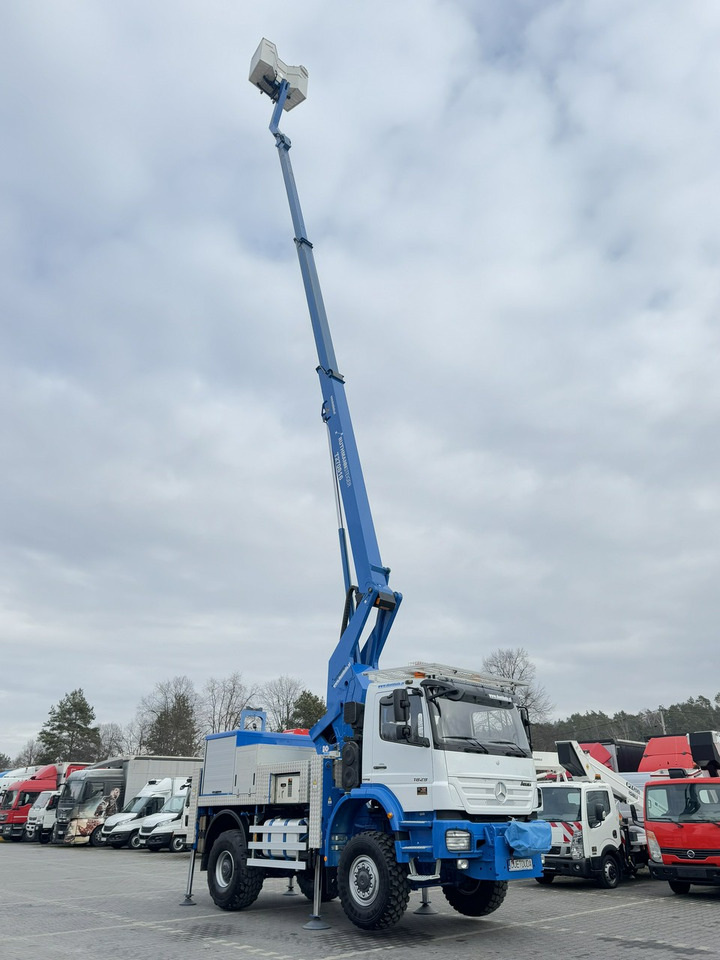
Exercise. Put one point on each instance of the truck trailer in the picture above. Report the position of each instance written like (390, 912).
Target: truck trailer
(417, 776)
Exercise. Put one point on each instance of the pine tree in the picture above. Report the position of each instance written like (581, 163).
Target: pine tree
(307, 710)
(68, 733)
(169, 715)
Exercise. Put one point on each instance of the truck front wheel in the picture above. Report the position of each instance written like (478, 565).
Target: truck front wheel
(96, 837)
(609, 872)
(679, 886)
(373, 886)
(476, 898)
(232, 884)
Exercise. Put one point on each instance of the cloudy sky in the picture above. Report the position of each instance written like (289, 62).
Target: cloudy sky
(515, 209)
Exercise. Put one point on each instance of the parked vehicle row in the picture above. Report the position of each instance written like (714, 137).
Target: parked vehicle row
(77, 804)
(605, 827)
(153, 819)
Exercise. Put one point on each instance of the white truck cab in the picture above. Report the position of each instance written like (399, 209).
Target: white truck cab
(41, 817)
(596, 832)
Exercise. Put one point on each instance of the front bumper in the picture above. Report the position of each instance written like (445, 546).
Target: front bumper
(569, 867)
(12, 830)
(708, 874)
(156, 841)
(489, 856)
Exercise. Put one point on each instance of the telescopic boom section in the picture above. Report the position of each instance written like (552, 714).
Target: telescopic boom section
(372, 576)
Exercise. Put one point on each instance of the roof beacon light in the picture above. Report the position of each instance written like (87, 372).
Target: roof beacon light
(267, 72)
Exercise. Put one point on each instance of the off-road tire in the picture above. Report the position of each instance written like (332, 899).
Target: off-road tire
(546, 878)
(373, 887)
(610, 875)
(231, 883)
(328, 888)
(681, 887)
(476, 898)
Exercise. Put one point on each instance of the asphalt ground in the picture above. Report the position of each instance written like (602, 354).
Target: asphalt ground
(58, 903)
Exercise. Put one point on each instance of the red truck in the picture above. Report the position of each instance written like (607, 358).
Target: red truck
(20, 796)
(682, 820)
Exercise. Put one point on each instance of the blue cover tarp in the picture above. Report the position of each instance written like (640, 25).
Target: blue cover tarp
(527, 839)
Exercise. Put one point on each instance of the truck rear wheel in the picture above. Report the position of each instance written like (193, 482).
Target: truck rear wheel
(679, 886)
(328, 888)
(373, 886)
(232, 884)
(476, 898)
(609, 872)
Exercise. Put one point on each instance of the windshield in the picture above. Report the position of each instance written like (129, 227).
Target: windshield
(71, 792)
(8, 800)
(136, 805)
(475, 721)
(683, 802)
(174, 804)
(560, 803)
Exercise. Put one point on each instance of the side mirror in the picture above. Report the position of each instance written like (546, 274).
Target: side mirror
(401, 705)
(525, 717)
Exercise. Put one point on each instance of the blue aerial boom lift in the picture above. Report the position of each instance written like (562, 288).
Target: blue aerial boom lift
(417, 776)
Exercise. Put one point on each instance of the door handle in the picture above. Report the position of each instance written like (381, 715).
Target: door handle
(380, 766)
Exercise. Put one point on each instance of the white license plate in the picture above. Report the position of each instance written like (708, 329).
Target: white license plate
(520, 864)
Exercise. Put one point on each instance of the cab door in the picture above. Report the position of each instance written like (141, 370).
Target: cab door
(400, 755)
(603, 826)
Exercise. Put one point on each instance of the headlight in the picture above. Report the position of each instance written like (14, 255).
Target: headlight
(457, 839)
(654, 847)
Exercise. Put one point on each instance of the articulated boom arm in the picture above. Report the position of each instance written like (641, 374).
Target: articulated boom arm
(581, 766)
(374, 593)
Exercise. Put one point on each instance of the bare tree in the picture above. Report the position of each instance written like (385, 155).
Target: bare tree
(29, 754)
(112, 740)
(515, 664)
(134, 734)
(223, 701)
(278, 697)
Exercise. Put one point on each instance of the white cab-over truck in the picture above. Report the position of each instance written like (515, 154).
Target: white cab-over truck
(596, 830)
(41, 818)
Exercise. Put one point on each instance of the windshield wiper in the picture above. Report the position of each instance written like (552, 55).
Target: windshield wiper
(520, 751)
(471, 740)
